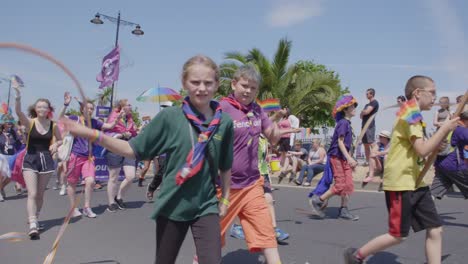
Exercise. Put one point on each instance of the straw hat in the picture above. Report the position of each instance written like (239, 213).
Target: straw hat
(385, 134)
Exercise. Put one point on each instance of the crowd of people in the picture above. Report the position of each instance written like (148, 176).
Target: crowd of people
(211, 162)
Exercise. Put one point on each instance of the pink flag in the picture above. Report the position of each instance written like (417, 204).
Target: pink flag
(110, 68)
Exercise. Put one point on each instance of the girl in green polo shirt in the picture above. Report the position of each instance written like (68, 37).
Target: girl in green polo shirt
(198, 139)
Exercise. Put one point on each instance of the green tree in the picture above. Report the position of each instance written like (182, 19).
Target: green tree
(308, 89)
(103, 98)
(136, 117)
(72, 111)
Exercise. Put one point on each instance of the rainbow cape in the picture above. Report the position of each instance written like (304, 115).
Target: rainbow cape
(410, 112)
(269, 105)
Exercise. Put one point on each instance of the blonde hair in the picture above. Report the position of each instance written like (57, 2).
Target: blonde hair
(196, 60)
(121, 104)
(247, 72)
(318, 141)
(415, 82)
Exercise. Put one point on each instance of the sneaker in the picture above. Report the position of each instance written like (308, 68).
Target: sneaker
(298, 183)
(347, 215)
(2, 193)
(140, 182)
(2, 199)
(33, 233)
(63, 190)
(350, 256)
(280, 234)
(149, 193)
(280, 177)
(76, 213)
(317, 205)
(112, 208)
(120, 203)
(380, 187)
(307, 184)
(237, 231)
(88, 212)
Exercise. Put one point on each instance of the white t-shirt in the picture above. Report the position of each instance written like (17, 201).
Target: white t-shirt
(294, 121)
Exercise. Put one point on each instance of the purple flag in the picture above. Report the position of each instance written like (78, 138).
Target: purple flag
(110, 68)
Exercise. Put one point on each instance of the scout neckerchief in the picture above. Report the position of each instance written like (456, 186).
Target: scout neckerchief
(247, 110)
(195, 158)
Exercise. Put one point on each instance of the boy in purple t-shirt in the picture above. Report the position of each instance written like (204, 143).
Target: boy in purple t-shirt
(246, 195)
(81, 161)
(341, 160)
(452, 169)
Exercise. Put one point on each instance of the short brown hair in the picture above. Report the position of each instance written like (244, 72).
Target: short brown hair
(415, 82)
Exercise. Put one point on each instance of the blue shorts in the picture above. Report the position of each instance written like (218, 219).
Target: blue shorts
(117, 161)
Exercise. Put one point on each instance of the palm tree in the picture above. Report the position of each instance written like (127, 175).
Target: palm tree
(104, 96)
(308, 89)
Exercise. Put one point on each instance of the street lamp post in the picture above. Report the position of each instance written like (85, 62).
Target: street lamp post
(137, 31)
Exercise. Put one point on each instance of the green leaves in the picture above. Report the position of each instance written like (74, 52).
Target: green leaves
(309, 89)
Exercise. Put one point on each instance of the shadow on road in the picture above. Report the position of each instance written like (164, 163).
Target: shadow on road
(242, 256)
(48, 224)
(445, 217)
(102, 261)
(383, 258)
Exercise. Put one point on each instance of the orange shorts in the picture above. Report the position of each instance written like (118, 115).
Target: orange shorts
(250, 206)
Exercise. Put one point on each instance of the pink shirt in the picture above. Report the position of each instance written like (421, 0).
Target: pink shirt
(283, 125)
(121, 127)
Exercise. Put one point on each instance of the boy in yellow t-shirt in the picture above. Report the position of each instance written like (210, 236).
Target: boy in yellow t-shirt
(409, 205)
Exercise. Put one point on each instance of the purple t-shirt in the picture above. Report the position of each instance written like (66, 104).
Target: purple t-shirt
(247, 131)
(80, 145)
(342, 129)
(458, 141)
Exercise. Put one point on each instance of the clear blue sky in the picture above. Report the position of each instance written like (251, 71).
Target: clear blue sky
(375, 44)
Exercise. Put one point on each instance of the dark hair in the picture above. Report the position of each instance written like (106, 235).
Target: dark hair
(371, 91)
(401, 98)
(464, 115)
(82, 105)
(415, 82)
(32, 111)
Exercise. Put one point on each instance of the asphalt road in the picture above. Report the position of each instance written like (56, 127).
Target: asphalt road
(129, 236)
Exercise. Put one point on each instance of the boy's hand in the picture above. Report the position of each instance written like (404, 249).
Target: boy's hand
(450, 124)
(443, 145)
(352, 163)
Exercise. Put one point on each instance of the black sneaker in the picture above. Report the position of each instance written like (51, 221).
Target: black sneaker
(33, 233)
(112, 208)
(120, 203)
(140, 182)
(350, 256)
(347, 215)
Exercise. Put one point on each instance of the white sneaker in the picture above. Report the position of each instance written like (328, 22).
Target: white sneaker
(1, 198)
(76, 213)
(89, 212)
(63, 190)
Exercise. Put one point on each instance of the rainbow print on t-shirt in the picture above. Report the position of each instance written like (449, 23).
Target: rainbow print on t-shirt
(410, 112)
(269, 105)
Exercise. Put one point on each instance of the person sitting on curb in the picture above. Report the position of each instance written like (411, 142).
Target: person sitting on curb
(377, 157)
(315, 163)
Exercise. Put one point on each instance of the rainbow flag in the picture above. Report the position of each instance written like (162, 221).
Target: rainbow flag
(410, 112)
(269, 105)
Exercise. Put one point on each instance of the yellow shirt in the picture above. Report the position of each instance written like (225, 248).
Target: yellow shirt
(403, 165)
